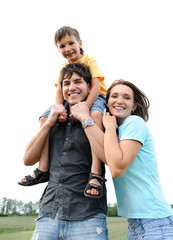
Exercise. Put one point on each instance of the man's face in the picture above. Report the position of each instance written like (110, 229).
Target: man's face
(75, 89)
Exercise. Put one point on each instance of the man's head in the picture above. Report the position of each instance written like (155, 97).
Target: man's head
(75, 80)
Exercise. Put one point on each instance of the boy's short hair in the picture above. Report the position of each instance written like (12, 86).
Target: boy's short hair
(63, 31)
(81, 69)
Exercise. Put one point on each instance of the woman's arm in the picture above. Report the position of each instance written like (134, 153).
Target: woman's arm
(119, 155)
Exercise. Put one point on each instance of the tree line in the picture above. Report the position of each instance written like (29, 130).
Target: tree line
(10, 207)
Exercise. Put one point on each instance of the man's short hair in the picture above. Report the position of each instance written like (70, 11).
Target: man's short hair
(81, 69)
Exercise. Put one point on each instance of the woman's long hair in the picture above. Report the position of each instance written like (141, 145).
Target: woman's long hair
(141, 101)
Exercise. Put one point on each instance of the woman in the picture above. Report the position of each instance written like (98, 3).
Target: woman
(131, 158)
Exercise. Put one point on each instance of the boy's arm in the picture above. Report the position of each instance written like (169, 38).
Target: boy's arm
(59, 101)
(94, 92)
(59, 96)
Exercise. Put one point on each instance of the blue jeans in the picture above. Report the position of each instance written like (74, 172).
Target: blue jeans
(150, 229)
(94, 228)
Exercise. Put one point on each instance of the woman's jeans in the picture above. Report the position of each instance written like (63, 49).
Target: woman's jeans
(154, 229)
(94, 228)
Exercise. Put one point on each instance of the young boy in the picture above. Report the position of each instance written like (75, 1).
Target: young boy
(69, 44)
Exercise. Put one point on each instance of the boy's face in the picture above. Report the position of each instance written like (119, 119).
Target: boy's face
(75, 89)
(69, 47)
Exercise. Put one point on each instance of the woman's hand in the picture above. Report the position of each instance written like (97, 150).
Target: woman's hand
(109, 121)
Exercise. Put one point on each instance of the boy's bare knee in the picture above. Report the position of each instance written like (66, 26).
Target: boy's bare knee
(42, 121)
(96, 114)
(97, 117)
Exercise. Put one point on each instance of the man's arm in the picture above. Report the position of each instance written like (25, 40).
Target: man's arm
(35, 146)
(95, 135)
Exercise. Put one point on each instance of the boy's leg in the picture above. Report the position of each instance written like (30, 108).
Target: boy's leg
(96, 163)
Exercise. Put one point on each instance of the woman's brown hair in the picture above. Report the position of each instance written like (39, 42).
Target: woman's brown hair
(141, 101)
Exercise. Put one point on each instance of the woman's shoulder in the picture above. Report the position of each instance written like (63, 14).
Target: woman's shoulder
(134, 123)
(134, 127)
(134, 119)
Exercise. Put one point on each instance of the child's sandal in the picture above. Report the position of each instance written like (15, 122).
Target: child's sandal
(40, 177)
(99, 188)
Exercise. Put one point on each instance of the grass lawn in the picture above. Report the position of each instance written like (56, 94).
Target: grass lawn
(117, 227)
(21, 228)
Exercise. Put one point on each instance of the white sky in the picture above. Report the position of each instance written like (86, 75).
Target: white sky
(129, 39)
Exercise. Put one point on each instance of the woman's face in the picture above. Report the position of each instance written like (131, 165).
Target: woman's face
(121, 102)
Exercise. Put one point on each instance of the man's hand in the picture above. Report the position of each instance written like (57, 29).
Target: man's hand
(80, 111)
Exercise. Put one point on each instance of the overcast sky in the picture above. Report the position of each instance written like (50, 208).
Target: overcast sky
(129, 39)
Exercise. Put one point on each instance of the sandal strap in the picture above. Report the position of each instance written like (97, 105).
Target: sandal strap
(98, 177)
(95, 186)
(29, 178)
(38, 172)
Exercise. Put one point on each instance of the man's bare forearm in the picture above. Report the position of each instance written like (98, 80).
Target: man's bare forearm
(35, 146)
(95, 135)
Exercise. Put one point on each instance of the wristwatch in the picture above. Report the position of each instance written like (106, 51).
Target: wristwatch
(88, 122)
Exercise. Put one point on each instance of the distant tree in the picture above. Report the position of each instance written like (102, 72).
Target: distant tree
(3, 205)
(19, 207)
(13, 207)
(112, 210)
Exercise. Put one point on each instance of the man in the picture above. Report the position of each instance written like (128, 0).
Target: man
(65, 212)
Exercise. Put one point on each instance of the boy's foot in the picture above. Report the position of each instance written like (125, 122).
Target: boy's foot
(37, 177)
(94, 188)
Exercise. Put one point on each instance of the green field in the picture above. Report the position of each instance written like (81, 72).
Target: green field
(21, 228)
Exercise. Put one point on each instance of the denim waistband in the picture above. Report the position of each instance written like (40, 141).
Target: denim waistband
(150, 222)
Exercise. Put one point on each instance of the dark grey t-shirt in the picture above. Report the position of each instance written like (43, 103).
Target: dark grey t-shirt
(70, 165)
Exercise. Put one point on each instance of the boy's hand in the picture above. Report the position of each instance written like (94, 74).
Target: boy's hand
(55, 113)
(62, 117)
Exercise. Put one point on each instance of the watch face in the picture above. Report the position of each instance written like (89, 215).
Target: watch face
(89, 121)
